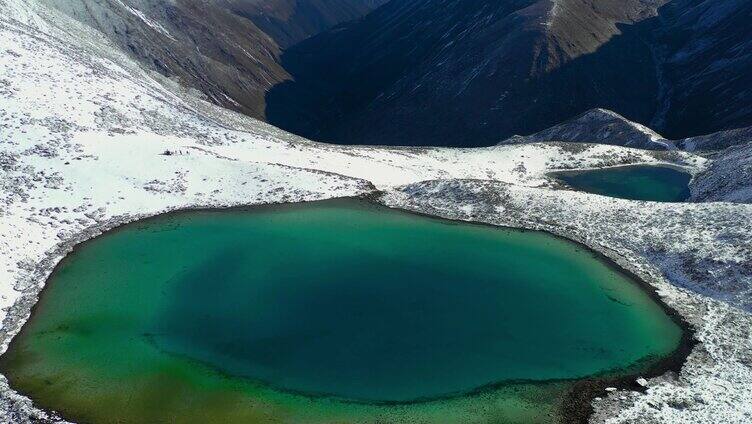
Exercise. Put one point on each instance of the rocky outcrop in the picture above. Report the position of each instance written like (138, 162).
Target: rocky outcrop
(599, 126)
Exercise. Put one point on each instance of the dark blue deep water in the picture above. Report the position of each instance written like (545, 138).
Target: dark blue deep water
(639, 182)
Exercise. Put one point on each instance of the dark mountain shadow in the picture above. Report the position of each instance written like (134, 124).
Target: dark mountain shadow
(350, 89)
(288, 22)
(709, 67)
(326, 101)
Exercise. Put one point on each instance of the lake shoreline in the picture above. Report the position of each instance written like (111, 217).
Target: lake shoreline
(577, 407)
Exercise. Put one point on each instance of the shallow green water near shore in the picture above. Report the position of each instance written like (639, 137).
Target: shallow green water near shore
(638, 182)
(327, 312)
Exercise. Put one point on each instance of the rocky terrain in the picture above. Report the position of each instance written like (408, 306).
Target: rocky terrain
(717, 141)
(728, 179)
(91, 137)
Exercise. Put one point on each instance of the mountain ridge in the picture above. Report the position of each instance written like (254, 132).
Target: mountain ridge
(598, 126)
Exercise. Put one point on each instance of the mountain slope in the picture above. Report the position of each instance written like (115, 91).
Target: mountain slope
(706, 60)
(204, 46)
(291, 21)
(717, 141)
(220, 48)
(446, 72)
(468, 73)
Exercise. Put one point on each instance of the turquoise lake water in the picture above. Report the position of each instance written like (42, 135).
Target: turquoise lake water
(336, 311)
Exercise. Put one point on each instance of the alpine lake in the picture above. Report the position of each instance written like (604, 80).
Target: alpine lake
(633, 182)
(337, 311)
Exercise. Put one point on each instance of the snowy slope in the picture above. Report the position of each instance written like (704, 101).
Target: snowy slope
(728, 179)
(84, 132)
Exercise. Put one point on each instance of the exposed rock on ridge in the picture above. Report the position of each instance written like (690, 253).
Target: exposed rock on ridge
(599, 126)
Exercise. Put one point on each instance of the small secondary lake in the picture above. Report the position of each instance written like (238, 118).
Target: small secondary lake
(636, 182)
(337, 311)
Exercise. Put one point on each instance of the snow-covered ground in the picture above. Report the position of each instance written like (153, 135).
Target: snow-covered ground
(90, 140)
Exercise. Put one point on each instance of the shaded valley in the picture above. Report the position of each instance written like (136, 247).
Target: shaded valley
(471, 73)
